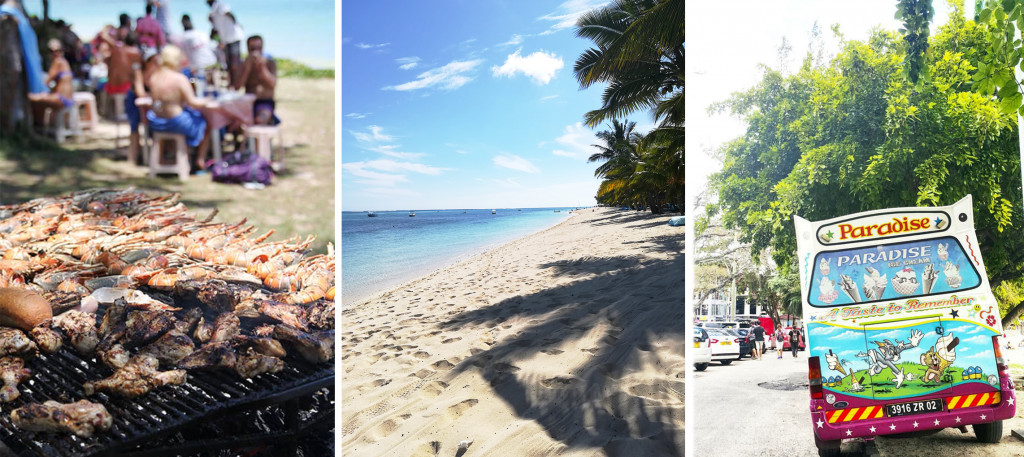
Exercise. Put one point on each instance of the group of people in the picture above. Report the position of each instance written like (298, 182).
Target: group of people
(149, 61)
(758, 335)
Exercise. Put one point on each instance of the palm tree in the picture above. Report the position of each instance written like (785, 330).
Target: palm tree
(639, 54)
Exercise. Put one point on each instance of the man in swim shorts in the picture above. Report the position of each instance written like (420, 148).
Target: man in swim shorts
(259, 75)
(175, 105)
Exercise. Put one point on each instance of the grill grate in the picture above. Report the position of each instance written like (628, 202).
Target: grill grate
(206, 394)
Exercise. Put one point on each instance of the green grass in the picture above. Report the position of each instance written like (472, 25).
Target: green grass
(883, 386)
(287, 68)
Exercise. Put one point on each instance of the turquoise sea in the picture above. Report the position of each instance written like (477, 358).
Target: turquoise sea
(379, 253)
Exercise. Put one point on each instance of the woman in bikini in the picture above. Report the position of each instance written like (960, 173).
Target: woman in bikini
(63, 90)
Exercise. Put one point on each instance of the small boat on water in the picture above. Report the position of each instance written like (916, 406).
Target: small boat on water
(371, 214)
(412, 214)
(494, 212)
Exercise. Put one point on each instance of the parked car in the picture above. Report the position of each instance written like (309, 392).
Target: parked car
(701, 352)
(746, 341)
(725, 346)
(727, 324)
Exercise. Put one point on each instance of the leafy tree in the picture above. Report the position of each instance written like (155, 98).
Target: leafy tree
(856, 135)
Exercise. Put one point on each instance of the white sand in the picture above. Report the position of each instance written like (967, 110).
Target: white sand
(565, 342)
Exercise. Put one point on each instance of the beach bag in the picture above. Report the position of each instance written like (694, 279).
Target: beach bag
(242, 167)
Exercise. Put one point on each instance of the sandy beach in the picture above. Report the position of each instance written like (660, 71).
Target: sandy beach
(565, 342)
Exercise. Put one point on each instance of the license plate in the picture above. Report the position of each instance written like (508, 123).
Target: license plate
(726, 343)
(696, 345)
(917, 407)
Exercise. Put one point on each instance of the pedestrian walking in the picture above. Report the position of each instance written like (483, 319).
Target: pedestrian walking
(758, 342)
(779, 339)
(794, 340)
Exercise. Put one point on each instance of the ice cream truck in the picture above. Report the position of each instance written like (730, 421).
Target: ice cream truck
(902, 327)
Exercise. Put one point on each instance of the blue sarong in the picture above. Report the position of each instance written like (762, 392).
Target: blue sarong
(189, 123)
(29, 50)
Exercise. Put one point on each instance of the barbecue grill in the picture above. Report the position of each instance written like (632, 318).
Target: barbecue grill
(140, 423)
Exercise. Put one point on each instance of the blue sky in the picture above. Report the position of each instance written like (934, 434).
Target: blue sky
(465, 104)
(302, 30)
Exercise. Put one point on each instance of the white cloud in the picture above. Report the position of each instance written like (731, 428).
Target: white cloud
(389, 150)
(450, 76)
(576, 142)
(540, 66)
(549, 97)
(516, 39)
(357, 115)
(460, 151)
(374, 135)
(387, 172)
(568, 13)
(516, 163)
(408, 63)
(361, 45)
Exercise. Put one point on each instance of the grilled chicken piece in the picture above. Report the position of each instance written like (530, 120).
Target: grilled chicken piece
(204, 331)
(114, 318)
(225, 327)
(261, 344)
(216, 295)
(170, 348)
(80, 328)
(321, 314)
(188, 322)
(251, 363)
(16, 342)
(263, 330)
(138, 377)
(292, 315)
(114, 356)
(210, 356)
(48, 340)
(12, 372)
(315, 347)
(143, 327)
(61, 302)
(81, 418)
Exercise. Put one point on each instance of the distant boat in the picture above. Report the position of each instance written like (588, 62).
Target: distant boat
(494, 212)
(412, 214)
(371, 214)
(558, 211)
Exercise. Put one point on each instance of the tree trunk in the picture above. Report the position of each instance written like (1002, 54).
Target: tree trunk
(46, 11)
(13, 91)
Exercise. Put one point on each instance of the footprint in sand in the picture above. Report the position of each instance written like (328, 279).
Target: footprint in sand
(380, 382)
(451, 340)
(421, 354)
(457, 409)
(389, 426)
(433, 389)
(552, 351)
(558, 382)
(423, 374)
(443, 365)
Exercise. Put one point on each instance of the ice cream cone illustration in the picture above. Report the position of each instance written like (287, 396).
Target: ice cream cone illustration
(833, 363)
(928, 278)
(953, 278)
(945, 348)
(849, 287)
(943, 253)
(824, 266)
(905, 281)
(874, 284)
(828, 291)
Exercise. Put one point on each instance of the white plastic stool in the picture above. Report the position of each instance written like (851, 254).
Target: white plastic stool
(260, 137)
(88, 116)
(65, 124)
(180, 165)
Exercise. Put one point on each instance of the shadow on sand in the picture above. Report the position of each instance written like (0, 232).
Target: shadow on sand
(622, 317)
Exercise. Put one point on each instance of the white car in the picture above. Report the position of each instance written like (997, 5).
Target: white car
(725, 346)
(701, 352)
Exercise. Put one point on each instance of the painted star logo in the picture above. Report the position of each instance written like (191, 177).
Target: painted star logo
(820, 423)
(813, 318)
(958, 419)
(938, 222)
(983, 417)
(829, 235)
(892, 426)
(915, 424)
(936, 422)
(954, 313)
(1010, 400)
(849, 432)
(872, 429)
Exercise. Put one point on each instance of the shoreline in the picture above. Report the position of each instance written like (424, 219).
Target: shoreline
(440, 266)
(566, 341)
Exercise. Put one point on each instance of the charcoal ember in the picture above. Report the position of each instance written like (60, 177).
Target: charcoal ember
(143, 326)
(321, 314)
(61, 302)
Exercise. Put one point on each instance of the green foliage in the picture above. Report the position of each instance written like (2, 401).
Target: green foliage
(287, 68)
(855, 134)
(916, 15)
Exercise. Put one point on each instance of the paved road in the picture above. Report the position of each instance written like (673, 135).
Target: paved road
(759, 408)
